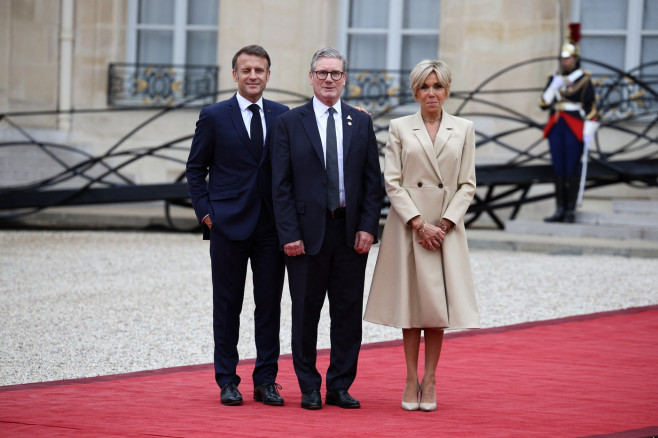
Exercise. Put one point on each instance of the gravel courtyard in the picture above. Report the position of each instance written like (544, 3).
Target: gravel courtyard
(87, 303)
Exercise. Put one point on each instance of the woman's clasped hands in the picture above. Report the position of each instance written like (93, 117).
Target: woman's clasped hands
(430, 236)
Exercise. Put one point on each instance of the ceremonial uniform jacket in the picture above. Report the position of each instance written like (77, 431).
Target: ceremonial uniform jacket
(575, 102)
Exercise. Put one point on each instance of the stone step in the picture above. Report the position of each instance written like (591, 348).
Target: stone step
(615, 218)
(577, 230)
(636, 206)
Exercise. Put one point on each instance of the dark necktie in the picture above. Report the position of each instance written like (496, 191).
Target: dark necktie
(333, 199)
(256, 129)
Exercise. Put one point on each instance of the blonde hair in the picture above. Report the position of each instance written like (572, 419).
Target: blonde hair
(424, 68)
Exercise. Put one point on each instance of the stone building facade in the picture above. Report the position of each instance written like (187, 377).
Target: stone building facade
(56, 55)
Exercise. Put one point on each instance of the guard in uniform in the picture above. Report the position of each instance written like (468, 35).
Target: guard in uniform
(570, 96)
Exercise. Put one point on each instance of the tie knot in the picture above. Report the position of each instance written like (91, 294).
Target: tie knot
(331, 110)
(254, 108)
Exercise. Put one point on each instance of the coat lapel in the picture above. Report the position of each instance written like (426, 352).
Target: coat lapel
(348, 128)
(445, 131)
(311, 127)
(238, 122)
(270, 119)
(426, 143)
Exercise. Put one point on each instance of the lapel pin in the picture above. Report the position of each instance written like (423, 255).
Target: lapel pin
(349, 123)
(349, 117)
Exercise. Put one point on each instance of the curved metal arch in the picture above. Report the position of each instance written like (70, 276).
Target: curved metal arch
(608, 161)
(502, 192)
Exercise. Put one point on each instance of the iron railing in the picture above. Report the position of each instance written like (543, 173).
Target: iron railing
(629, 107)
(378, 90)
(621, 94)
(159, 85)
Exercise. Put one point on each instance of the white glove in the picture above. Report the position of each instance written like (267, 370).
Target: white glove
(588, 132)
(551, 91)
(557, 82)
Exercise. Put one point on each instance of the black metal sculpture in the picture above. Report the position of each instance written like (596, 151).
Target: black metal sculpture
(628, 102)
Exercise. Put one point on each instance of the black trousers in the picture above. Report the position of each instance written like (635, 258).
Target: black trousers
(338, 272)
(229, 259)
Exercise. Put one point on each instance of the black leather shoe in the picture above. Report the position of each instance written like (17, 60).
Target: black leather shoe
(268, 393)
(312, 400)
(230, 395)
(342, 399)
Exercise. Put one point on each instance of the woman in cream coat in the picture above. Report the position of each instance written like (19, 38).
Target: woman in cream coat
(422, 280)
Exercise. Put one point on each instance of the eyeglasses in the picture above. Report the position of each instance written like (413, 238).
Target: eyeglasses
(335, 75)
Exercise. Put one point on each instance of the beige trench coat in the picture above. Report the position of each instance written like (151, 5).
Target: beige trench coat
(414, 287)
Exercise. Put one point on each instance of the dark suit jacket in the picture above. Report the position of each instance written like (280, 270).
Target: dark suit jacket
(299, 177)
(240, 179)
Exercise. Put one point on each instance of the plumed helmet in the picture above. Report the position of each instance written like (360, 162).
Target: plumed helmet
(570, 46)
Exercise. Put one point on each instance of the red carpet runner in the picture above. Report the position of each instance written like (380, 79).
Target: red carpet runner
(594, 375)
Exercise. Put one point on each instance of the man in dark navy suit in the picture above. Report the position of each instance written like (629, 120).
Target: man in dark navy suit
(327, 202)
(231, 145)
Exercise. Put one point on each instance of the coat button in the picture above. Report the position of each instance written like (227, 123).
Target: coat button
(440, 186)
(420, 184)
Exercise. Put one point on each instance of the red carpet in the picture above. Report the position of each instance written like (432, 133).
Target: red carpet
(593, 375)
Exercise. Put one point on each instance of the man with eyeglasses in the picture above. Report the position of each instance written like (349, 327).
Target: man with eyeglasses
(327, 200)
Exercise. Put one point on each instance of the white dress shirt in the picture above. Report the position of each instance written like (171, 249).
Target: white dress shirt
(247, 114)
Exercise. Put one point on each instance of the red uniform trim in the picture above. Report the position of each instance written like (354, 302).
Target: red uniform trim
(575, 124)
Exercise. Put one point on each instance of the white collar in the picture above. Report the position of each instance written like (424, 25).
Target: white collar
(244, 103)
(320, 108)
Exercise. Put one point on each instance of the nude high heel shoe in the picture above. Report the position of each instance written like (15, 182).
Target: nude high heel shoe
(411, 406)
(425, 406)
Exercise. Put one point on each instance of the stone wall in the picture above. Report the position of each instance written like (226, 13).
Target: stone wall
(477, 39)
